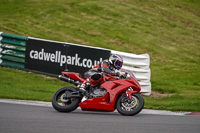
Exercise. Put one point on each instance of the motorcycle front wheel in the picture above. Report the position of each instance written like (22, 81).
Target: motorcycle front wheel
(126, 106)
(62, 104)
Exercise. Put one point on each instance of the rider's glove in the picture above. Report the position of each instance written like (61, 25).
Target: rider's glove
(123, 75)
(113, 73)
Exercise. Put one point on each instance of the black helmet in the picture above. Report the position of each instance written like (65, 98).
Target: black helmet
(116, 60)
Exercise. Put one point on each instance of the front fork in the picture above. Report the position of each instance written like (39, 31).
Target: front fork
(129, 93)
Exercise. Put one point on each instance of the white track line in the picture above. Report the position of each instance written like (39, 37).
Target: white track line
(48, 104)
(26, 102)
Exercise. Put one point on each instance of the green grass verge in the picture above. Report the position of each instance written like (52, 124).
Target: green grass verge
(168, 30)
(18, 84)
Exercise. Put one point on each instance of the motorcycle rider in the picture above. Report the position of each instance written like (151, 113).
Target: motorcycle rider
(94, 75)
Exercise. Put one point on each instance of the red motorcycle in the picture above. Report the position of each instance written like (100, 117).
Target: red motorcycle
(121, 93)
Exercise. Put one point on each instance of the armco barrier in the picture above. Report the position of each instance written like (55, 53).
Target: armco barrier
(13, 47)
(12, 50)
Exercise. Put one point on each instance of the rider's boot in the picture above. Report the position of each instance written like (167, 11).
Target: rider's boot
(84, 87)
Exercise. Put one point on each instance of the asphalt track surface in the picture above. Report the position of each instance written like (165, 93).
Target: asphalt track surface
(19, 118)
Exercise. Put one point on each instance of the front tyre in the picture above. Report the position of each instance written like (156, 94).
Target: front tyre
(126, 106)
(62, 104)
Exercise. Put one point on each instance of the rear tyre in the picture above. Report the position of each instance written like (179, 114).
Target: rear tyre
(62, 104)
(131, 107)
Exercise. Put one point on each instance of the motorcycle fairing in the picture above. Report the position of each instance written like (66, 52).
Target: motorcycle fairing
(107, 102)
(73, 75)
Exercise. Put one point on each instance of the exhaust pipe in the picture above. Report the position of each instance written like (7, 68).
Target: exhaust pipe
(69, 80)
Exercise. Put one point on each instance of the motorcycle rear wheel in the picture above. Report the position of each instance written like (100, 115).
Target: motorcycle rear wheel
(62, 104)
(132, 107)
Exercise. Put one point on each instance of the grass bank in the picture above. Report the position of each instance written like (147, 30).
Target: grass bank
(18, 84)
(168, 30)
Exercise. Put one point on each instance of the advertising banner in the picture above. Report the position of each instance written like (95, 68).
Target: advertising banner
(81, 59)
(44, 56)
(54, 57)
